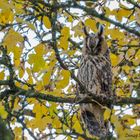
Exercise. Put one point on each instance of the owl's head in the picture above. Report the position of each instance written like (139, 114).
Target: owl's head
(95, 44)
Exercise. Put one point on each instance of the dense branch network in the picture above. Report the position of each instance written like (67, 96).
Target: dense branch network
(5, 60)
(77, 100)
(94, 13)
(11, 90)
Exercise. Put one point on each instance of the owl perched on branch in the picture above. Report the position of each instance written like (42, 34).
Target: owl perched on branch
(95, 74)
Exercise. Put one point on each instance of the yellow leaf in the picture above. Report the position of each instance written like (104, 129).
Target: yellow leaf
(114, 59)
(3, 113)
(19, 20)
(31, 26)
(2, 75)
(136, 61)
(53, 108)
(4, 4)
(120, 13)
(58, 92)
(137, 54)
(107, 11)
(18, 131)
(65, 33)
(65, 77)
(69, 17)
(40, 49)
(77, 127)
(47, 22)
(42, 110)
(136, 128)
(30, 79)
(114, 119)
(64, 43)
(19, 8)
(56, 123)
(78, 30)
(115, 33)
(79, 138)
(16, 104)
(43, 123)
(120, 92)
(117, 124)
(46, 78)
(107, 114)
(129, 119)
(126, 68)
(17, 63)
(134, 42)
(137, 15)
(122, 41)
(91, 24)
(69, 138)
(39, 86)
(37, 60)
(21, 73)
(49, 66)
(130, 53)
(71, 52)
(17, 51)
(7, 16)
(12, 38)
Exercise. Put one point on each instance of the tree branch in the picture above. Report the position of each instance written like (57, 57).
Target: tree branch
(6, 61)
(92, 97)
(92, 12)
(4, 82)
(133, 3)
(77, 100)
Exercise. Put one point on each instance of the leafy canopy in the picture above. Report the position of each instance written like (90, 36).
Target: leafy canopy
(41, 43)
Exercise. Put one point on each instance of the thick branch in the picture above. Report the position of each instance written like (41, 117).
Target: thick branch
(133, 3)
(77, 100)
(4, 82)
(92, 12)
(6, 60)
(103, 100)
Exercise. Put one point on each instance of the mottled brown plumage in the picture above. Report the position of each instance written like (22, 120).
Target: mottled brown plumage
(95, 74)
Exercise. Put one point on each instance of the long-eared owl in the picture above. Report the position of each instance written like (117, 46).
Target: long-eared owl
(96, 75)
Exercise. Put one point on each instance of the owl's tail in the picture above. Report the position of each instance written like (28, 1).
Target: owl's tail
(92, 115)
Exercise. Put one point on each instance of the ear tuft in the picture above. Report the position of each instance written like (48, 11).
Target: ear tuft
(85, 29)
(100, 29)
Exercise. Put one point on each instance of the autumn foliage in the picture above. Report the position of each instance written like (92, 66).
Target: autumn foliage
(41, 42)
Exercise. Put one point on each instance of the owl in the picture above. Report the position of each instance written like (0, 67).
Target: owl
(96, 76)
